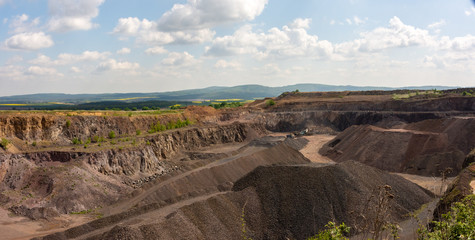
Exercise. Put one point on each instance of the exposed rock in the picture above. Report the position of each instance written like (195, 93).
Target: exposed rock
(426, 148)
(34, 213)
(459, 189)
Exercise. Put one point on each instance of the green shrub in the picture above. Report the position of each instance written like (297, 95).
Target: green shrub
(68, 123)
(332, 232)
(138, 132)
(4, 143)
(76, 141)
(33, 144)
(111, 135)
(270, 102)
(457, 224)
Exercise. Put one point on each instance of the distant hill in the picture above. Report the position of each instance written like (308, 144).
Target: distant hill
(245, 92)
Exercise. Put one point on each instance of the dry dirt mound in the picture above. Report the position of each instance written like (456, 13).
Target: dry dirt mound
(297, 201)
(272, 202)
(183, 189)
(424, 148)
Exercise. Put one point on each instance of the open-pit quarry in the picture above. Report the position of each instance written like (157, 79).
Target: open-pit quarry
(261, 171)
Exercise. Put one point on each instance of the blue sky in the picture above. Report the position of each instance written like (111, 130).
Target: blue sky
(97, 46)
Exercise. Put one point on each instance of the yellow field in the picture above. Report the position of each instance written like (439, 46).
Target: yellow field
(13, 104)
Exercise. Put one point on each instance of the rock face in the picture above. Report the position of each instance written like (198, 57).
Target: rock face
(62, 129)
(76, 181)
(425, 148)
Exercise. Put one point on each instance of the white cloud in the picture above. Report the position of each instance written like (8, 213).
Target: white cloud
(67, 58)
(14, 59)
(470, 12)
(437, 25)
(358, 21)
(156, 51)
(179, 59)
(199, 14)
(123, 51)
(290, 41)
(70, 15)
(20, 24)
(29, 41)
(112, 65)
(303, 23)
(12, 72)
(43, 71)
(75, 70)
(455, 61)
(397, 34)
(146, 32)
(466, 43)
(223, 64)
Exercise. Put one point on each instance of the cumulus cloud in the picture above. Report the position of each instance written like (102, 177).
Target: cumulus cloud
(20, 24)
(123, 51)
(113, 65)
(156, 50)
(29, 41)
(397, 34)
(73, 15)
(43, 71)
(147, 32)
(179, 59)
(199, 14)
(290, 41)
(12, 72)
(223, 64)
(67, 58)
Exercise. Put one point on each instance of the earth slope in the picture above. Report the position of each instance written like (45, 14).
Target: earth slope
(271, 202)
(427, 147)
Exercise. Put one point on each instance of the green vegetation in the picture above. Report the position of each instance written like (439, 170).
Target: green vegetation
(76, 141)
(138, 132)
(111, 134)
(467, 94)
(4, 143)
(68, 123)
(33, 144)
(226, 105)
(457, 224)
(158, 127)
(176, 106)
(409, 94)
(97, 139)
(270, 102)
(332, 232)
